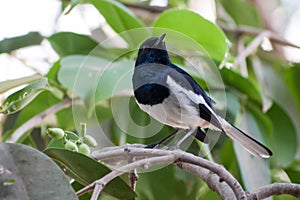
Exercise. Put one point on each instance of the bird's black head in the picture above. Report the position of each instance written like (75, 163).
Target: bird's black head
(153, 50)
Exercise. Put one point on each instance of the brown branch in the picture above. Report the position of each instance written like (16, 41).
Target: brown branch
(133, 176)
(275, 189)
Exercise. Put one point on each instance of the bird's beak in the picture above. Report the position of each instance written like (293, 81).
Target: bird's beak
(160, 39)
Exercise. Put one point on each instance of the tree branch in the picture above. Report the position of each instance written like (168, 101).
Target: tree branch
(246, 30)
(276, 189)
(214, 175)
(217, 173)
(250, 48)
(212, 180)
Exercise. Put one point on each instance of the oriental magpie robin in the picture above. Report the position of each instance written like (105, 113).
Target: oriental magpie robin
(173, 97)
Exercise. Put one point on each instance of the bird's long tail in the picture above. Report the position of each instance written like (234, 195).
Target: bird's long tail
(249, 143)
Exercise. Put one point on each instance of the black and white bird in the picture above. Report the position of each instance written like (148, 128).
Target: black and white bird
(171, 96)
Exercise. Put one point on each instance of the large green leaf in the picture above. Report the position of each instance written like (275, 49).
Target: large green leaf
(189, 23)
(30, 174)
(132, 121)
(242, 12)
(68, 43)
(96, 79)
(293, 171)
(292, 80)
(85, 170)
(255, 171)
(21, 98)
(245, 86)
(263, 121)
(10, 44)
(33, 108)
(284, 140)
(286, 116)
(121, 19)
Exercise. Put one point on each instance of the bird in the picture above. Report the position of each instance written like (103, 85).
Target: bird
(171, 96)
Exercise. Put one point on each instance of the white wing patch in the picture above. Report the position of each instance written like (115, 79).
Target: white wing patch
(192, 97)
(198, 99)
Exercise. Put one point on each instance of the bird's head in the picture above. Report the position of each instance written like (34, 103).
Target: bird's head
(153, 50)
(154, 43)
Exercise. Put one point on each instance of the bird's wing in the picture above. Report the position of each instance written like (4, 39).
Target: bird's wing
(178, 84)
(196, 87)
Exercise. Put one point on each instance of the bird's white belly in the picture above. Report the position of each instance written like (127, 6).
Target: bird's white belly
(170, 113)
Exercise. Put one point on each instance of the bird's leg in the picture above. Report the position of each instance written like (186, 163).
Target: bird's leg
(163, 140)
(188, 134)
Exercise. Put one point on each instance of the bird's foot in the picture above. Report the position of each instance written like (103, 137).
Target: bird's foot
(174, 147)
(153, 145)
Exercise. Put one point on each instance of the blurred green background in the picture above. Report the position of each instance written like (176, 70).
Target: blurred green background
(243, 52)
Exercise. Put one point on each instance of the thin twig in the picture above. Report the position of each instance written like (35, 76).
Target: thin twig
(133, 176)
(250, 48)
(37, 119)
(275, 189)
(246, 30)
(243, 64)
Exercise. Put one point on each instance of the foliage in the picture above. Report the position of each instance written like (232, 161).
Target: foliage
(96, 79)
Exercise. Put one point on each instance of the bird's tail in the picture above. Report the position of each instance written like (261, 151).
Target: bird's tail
(249, 143)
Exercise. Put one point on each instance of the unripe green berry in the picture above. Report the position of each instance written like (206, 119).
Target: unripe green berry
(89, 140)
(84, 149)
(56, 133)
(71, 146)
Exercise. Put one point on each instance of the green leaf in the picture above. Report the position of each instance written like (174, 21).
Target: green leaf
(292, 80)
(121, 19)
(262, 120)
(240, 83)
(21, 98)
(284, 141)
(259, 168)
(68, 43)
(132, 121)
(106, 79)
(157, 189)
(248, 16)
(204, 32)
(10, 44)
(85, 170)
(293, 171)
(7, 85)
(287, 118)
(52, 73)
(35, 175)
(33, 108)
